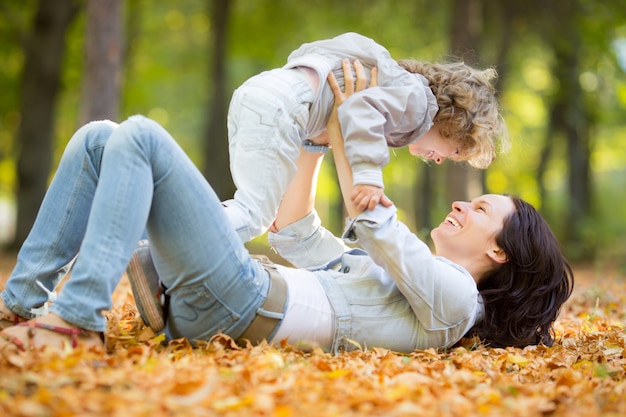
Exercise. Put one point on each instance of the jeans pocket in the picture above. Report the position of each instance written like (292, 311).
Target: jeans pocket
(198, 314)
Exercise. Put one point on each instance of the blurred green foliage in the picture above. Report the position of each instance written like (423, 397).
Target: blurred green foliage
(167, 78)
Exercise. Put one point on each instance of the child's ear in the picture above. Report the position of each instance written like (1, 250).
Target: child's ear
(497, 255)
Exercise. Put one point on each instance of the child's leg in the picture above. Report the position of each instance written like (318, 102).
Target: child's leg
(267, 124)
(55, 238)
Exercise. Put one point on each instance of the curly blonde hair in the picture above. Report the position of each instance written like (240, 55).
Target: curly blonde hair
(469, 112)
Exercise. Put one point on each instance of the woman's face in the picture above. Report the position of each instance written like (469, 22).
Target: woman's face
(432, 145)
(467, 235)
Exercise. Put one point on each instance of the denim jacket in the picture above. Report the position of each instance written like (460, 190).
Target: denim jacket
(396, 295)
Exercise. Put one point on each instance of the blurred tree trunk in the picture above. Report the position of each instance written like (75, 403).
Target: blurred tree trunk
(44, 50)
(569, 115)
(103, 61)
(462, 181)
(216, 160)
(501, 18)
(424, 198)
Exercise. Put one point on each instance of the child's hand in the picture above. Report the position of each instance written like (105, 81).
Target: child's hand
(368, 196)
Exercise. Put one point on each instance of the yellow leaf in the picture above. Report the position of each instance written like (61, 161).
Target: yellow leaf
(337, 373)
(517, 359)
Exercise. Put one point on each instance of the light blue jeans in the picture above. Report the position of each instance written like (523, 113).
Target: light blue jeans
(114, 183)
(267, 122)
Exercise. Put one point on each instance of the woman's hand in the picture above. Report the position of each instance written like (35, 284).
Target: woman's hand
(350, 85)
(363, 196)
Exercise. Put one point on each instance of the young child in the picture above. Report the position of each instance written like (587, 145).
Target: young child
(438, 110)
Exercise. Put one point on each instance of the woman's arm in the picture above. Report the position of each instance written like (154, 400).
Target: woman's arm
(299, 198)
(297, 233)
(357, 201)
(442, 295)
(344, 172)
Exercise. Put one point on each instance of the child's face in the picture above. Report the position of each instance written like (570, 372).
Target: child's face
(432, 145)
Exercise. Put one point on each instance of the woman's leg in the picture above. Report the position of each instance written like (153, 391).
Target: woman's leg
(55, 238)
(213, 284)
(148, 181)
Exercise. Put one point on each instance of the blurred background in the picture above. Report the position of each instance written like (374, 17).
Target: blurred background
(562, 85)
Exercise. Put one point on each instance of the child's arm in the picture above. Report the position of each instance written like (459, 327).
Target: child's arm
(363, 196)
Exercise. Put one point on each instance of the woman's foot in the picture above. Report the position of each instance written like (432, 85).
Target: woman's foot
(7, 317)
(49, 330)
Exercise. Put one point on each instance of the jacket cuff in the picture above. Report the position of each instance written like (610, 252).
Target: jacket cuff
(312, 147)
(297, 230)
(370, 219)
(370, 174)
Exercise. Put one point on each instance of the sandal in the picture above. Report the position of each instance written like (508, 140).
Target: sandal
(8, 320)
(146, 286)
(73, 332)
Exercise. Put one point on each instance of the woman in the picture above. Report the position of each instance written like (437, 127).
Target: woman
(495, 258)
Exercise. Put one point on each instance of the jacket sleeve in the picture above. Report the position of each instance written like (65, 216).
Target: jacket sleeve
(307, 244)
(378, 117)
(395, 113)
(442, 295)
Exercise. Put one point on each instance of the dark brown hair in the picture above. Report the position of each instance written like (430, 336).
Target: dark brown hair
(523, 296)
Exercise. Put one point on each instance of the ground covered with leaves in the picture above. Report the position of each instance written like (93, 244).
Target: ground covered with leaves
(583, 374)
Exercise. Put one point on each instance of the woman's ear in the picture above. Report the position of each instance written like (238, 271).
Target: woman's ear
(497, 255)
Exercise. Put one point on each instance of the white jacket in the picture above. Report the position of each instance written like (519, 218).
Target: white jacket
(396, 295)
(396, 113)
